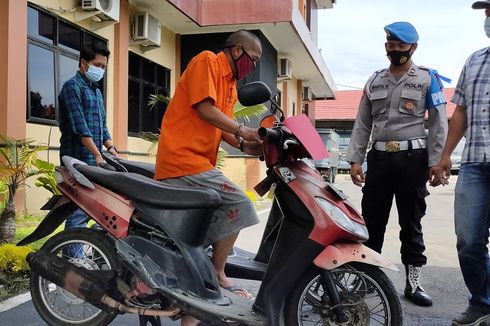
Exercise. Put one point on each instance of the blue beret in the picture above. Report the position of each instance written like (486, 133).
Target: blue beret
(402, 31)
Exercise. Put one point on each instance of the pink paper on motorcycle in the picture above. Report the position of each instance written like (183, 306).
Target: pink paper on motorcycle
(302, 128)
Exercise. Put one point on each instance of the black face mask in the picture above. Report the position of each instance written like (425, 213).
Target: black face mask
(398, 58)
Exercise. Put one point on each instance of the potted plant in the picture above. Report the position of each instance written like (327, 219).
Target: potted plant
(18, 161)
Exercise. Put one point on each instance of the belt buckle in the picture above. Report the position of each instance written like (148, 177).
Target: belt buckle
(392, 146)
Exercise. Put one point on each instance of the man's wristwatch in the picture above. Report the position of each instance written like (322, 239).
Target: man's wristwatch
(112, 147)
(241, 142)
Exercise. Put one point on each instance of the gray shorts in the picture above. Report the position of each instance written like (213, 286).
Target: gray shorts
(237, 211)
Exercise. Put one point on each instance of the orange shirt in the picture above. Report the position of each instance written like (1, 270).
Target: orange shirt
(188, 144)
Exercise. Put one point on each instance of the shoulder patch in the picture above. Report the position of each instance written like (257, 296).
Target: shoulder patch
(435, 93)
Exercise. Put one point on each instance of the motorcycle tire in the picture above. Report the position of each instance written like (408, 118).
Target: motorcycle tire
(368, 295)
(101, 252)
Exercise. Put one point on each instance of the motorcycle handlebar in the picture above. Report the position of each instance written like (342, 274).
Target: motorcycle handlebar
(270, 134)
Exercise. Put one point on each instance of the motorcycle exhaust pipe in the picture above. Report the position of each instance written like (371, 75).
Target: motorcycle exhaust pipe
(91, 286)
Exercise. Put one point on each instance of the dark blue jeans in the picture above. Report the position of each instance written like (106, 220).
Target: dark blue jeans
(77, 220)
(471, 222)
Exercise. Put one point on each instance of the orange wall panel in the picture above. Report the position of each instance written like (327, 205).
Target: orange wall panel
(13, 70)
(190, 8)
(226, 12)
(121, 62)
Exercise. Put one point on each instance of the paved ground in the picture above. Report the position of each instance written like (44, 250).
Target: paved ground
(441, 277)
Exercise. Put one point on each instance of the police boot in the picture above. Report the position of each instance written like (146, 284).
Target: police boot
(413, 291)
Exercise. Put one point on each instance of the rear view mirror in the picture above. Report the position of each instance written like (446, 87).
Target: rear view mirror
(254, 93)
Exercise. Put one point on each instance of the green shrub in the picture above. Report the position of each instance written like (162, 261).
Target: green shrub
(14, 270)
(13, 259)
(3, 193)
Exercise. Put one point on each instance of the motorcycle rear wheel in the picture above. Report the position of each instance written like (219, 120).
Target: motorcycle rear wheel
(58, 307)
(368, 295)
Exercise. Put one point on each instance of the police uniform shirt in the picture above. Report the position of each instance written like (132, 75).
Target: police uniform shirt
(395, 110)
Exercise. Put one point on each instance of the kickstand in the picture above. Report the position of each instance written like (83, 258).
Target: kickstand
(153, 320)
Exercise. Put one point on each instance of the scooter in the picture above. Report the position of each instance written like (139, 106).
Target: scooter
(146, 255)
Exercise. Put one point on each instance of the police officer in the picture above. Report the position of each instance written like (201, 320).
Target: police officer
(402, 157)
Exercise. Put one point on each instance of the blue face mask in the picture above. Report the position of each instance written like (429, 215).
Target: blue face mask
(487, 26)
(94, 74)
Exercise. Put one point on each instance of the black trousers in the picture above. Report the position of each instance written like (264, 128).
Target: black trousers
(403, 175)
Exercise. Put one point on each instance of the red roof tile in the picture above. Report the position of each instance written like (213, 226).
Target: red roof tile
(346, 104)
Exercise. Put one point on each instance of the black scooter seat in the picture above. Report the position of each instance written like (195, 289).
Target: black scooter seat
(143, 168)
(141, 188)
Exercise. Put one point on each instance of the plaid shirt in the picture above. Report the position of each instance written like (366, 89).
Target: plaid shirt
(81, 114)
(472, 93)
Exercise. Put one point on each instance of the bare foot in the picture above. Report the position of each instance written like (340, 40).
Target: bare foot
(238, 290)
(231, 286)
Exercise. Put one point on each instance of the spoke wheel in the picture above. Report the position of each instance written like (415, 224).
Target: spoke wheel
(366, 293)
(85, 248)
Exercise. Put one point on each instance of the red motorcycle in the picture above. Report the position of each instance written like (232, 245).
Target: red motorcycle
(146, 254)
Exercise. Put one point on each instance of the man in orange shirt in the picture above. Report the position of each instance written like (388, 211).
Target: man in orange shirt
(199, 116)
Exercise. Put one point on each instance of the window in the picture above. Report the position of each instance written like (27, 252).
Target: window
(52, 58)
(145, 78)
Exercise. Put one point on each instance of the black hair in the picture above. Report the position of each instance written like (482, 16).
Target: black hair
(89, 52)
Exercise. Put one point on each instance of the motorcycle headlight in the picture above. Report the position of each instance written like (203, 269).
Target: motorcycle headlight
(342, 220)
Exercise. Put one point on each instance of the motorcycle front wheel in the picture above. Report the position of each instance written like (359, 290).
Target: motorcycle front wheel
(85, 248)
(367, 295)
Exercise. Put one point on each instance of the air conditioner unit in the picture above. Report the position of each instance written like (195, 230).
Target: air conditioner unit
(106, 10)
(147, 29)
(285, 68)
(307, 94)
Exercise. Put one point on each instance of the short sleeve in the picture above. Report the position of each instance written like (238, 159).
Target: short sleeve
(202, 76)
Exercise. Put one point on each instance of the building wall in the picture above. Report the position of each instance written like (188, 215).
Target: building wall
(13, 105)
(13, 54)
(166, 55)
(289, 94)
(50, 135)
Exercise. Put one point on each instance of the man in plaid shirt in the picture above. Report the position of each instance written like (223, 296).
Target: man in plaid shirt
(471, 119)
(82, 119)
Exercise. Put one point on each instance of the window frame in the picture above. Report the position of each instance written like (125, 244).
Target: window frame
(142, 82)
(57, 49)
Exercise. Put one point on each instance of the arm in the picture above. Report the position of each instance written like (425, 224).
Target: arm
(455, 133)
(359, 140)
(436, 107)
(110, 147)
(203, 73)
(106, 136)
(89, 143)
(249, 147)
(206, 111)
(436, 140)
